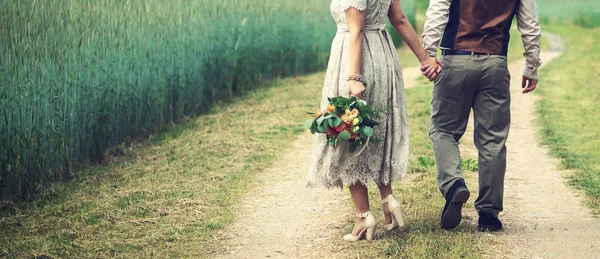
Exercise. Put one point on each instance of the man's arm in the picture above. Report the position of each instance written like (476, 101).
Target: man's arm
(531, 33)
(435, 22)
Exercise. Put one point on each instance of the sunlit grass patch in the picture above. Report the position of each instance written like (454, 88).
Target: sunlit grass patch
(570, 110)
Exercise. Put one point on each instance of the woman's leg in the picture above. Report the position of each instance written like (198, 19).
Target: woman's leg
(386, 190)
(360, 196)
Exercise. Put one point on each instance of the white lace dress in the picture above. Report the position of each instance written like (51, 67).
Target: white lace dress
(385, 161)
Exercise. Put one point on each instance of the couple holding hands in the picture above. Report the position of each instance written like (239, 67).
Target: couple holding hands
(472, 74)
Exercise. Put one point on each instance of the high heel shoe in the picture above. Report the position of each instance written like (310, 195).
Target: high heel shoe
(368, 230)
(396, 211)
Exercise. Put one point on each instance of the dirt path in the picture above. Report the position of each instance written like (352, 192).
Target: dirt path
(281, 218)
(543, 217)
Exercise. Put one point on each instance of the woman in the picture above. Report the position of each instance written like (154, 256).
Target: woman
(362, 51)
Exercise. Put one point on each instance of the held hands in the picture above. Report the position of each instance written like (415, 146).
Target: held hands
(431, 68)
(528, 84)
(355, 88)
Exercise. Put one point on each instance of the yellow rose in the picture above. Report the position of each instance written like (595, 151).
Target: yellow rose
(346, 118)
(355, 121)
(354, 113)
(356, 128)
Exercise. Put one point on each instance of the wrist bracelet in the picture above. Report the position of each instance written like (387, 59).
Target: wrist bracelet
(355, 77)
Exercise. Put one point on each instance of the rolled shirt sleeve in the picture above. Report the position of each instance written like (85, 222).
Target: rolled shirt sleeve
(531, 33)
(435, 23)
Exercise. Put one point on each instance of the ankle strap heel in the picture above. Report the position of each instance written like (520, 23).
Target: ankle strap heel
(368, 231)
(395, 209)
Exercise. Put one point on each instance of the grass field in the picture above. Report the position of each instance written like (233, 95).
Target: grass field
(570, 111)
(584, 13)
(80, 77)
(164, 197)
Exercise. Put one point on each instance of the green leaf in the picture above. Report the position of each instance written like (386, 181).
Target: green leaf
(344, 136)
(330, 122)
(368, 131)
(308, 124)
(323, 118)
(337, 121)
(313, 128)
(332, 143)
(354, 146)
(321, 129)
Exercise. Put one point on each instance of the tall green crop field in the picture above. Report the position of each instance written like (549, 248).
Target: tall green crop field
(80, 76)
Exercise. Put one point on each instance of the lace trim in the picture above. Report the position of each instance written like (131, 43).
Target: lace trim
(360, 5)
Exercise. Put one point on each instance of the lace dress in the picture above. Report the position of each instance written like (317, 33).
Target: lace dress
(386, 160)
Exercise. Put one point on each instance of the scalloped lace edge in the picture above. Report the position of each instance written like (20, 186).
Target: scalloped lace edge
(361, 7)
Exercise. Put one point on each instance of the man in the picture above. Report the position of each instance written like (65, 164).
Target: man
(474, 37)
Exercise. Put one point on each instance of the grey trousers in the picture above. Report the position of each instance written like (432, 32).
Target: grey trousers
(481, 83)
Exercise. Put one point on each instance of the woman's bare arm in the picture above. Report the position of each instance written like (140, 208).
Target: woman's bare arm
(356, 23)
(408, 34)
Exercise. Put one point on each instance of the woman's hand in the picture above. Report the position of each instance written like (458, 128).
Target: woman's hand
(431, 68)
(355, 88)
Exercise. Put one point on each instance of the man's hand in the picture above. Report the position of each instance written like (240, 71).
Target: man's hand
(528, 84)
(431, 68)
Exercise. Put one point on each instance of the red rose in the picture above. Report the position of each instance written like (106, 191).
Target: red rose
(340, 128)
(332, 132)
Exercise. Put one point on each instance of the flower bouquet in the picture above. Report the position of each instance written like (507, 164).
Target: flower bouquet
(345, 119)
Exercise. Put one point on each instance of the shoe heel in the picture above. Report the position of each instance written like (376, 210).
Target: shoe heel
(461, 195)
(370, 233)
(397, 214)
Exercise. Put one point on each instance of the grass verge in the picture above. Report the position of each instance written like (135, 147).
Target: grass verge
(570, 108)
(165, 197)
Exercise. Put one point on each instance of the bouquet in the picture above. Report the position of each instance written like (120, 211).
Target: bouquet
(345, 119)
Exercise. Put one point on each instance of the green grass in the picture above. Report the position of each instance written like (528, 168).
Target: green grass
(584, 13)
(570, 108)
(164, 197)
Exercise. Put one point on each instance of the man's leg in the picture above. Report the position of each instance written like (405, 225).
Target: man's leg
(491, 108)
(450, 108)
